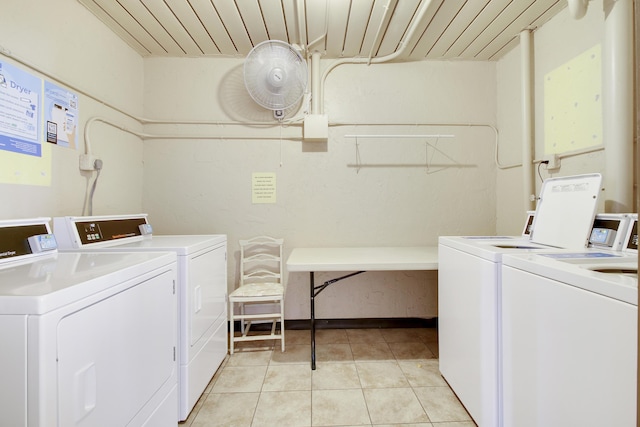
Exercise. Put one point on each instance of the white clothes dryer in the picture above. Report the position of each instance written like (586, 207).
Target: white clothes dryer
(202, 288)
(569, 341)
(469, 281)
(87, 339)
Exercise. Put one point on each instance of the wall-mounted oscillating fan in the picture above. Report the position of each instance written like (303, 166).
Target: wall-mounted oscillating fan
(275, 76)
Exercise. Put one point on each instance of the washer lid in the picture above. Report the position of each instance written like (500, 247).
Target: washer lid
(566, 210)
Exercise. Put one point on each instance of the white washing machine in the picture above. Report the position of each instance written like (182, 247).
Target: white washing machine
(469, 280)
(202, 288)
(87, 339)
(614, 240)
(569, 341)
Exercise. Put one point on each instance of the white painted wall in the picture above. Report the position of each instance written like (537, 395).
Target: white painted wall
(204, 185)
(64, 40)
(555, 43)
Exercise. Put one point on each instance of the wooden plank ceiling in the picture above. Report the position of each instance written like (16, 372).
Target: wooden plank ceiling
(451, 29)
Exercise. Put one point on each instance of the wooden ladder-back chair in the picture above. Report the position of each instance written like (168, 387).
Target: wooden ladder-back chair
(262, 287)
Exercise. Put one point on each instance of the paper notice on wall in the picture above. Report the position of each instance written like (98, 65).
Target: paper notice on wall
(19, 111)
(23, 157)
(263, 187)
(60, 115)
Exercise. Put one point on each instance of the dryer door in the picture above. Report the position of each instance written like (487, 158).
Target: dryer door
(115, 355)
(207, 282)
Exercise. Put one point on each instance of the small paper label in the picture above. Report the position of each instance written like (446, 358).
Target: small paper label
(263, 186)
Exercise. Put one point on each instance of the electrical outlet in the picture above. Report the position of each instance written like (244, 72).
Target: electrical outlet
(554, 162)
(87, 162)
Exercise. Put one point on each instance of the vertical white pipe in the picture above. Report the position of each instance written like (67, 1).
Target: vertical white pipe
(302, 28)
(315, 83)
(617, 97)
(527, 120)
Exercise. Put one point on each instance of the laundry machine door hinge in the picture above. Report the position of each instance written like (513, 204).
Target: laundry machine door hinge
(174, 353)
(174, 287)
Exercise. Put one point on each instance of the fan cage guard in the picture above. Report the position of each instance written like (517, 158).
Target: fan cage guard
(275, 75)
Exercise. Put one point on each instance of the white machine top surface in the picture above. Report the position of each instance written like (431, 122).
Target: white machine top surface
(491, 248)
(181, 244)
(613, 276)
(43, 283)
(367, 259)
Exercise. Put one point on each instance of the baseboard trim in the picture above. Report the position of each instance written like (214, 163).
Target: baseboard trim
(368, 323)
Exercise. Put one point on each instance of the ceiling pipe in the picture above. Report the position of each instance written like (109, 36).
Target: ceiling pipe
(404, 44)
(302, 29)
(527, 120)
(617, 98)
(322, 36)
(391, 5)
(577, 8)
(315, 82)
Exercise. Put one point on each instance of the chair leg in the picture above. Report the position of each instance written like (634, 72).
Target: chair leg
(282, 324)
(232, 333)
(242, 318)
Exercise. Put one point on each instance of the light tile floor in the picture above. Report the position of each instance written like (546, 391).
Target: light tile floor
(364, 377)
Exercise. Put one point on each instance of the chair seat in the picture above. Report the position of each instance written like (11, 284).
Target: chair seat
(258, 290)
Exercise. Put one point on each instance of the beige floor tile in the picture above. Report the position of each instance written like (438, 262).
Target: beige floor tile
(250, 358)
(427, 334)
(373, 351)
(339, 408)
(394, 405)
(455, 424)
(240, 379)
(331, 336)
(407, 425)
(400, 334)
(364, 377)
(333, 353)
(364, 336)
(227, 409)
(422, 373)
(410, 350)
(441, 404)
(297, 337)
(217, 374)
(293, 354)
(283, 408)
(335, 376)
(287, 378)
(381, 374)
(433, 346)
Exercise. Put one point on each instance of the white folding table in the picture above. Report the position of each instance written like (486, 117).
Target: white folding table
(358, 260)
